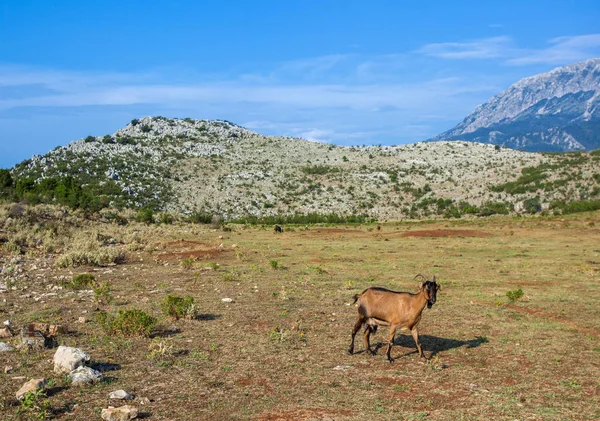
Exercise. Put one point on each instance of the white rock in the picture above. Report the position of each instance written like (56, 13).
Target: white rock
(5, 347)
(7, 323)
(123, 413)
(342, 367)
(31, 386)
(227, 300)
(66, 359)
(84, 375)
(120, 394)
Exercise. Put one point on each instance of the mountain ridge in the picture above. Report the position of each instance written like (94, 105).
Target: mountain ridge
(567, 118)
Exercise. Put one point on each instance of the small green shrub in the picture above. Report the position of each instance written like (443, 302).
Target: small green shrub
(145, 215)
(274, 264)
(34, 405)
(81, 281)
(532, 205)
(515, 295)
(187, 263)
(102, 293)
(89, 139)
(127, 323)
(179, 307)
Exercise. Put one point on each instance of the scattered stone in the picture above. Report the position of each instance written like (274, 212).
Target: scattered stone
(84, 375)
(31, 386)
(122, 413)
(5, 347)
(342, 367)
(5, 333)
(7, 323)
(82, 320)
(144, 401)
(7, 369)
(67, 359)
(234, 246)
(32, 339)
(121, 394)
(227, 300)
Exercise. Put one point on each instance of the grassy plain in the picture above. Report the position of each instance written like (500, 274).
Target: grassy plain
(278, 351)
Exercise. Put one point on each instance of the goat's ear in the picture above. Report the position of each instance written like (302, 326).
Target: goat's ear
(421, 286)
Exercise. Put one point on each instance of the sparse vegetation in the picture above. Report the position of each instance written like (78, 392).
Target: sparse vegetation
(515, 295)
(179, 307)
(127, 323)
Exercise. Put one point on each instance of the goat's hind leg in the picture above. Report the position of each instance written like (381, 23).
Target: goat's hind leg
(369, 330)
(357, 327)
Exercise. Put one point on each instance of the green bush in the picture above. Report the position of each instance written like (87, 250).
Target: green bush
(89, 139)
(135, 122)
(515, 295)
(145, 216)
(81, 281)
(127, 323)
(493, 208)
(532, 205)
(102, 293)
(108, 139)
(6, 179)
(576, 207)
(179, 307)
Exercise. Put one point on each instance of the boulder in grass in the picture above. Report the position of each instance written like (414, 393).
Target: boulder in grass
(67, 359)
(121, 395)
(32, 386)
(122, 413)
(5, 347)
(84, 375)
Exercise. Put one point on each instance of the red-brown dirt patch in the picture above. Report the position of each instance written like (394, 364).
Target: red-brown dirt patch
(306, 415)
(445, 233)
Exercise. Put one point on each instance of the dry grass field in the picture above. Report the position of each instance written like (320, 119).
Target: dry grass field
(278, 351)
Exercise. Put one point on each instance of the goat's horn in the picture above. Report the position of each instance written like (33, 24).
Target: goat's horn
(422, 276)
(433, 278)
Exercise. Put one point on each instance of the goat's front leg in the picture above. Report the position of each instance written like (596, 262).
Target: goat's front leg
(391, 342)
(415, 335)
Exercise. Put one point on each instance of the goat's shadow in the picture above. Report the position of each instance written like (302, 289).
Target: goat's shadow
(431, 344)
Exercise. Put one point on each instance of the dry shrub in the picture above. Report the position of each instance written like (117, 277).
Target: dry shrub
(86, 249)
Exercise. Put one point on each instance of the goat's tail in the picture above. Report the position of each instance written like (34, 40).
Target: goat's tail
(357, 296)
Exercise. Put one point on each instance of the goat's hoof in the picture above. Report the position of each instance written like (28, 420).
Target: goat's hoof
(350, 351)
(390, 360)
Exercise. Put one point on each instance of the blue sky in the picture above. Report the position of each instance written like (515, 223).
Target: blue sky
(345, 72)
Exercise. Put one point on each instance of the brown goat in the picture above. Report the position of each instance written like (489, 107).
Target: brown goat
(382, 307)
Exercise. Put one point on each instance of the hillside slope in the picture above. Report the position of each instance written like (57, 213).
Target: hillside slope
(217, 167)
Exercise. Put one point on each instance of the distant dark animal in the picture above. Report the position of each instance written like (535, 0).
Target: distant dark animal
(278, 229)
(382, 307)
(378, 227)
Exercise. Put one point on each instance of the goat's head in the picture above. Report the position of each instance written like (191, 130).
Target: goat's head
(430, 288)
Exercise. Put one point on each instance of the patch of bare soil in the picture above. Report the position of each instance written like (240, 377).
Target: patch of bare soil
(308, 414)
(445, 233)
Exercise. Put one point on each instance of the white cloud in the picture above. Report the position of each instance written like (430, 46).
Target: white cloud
(479, 49)
(563, 50)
